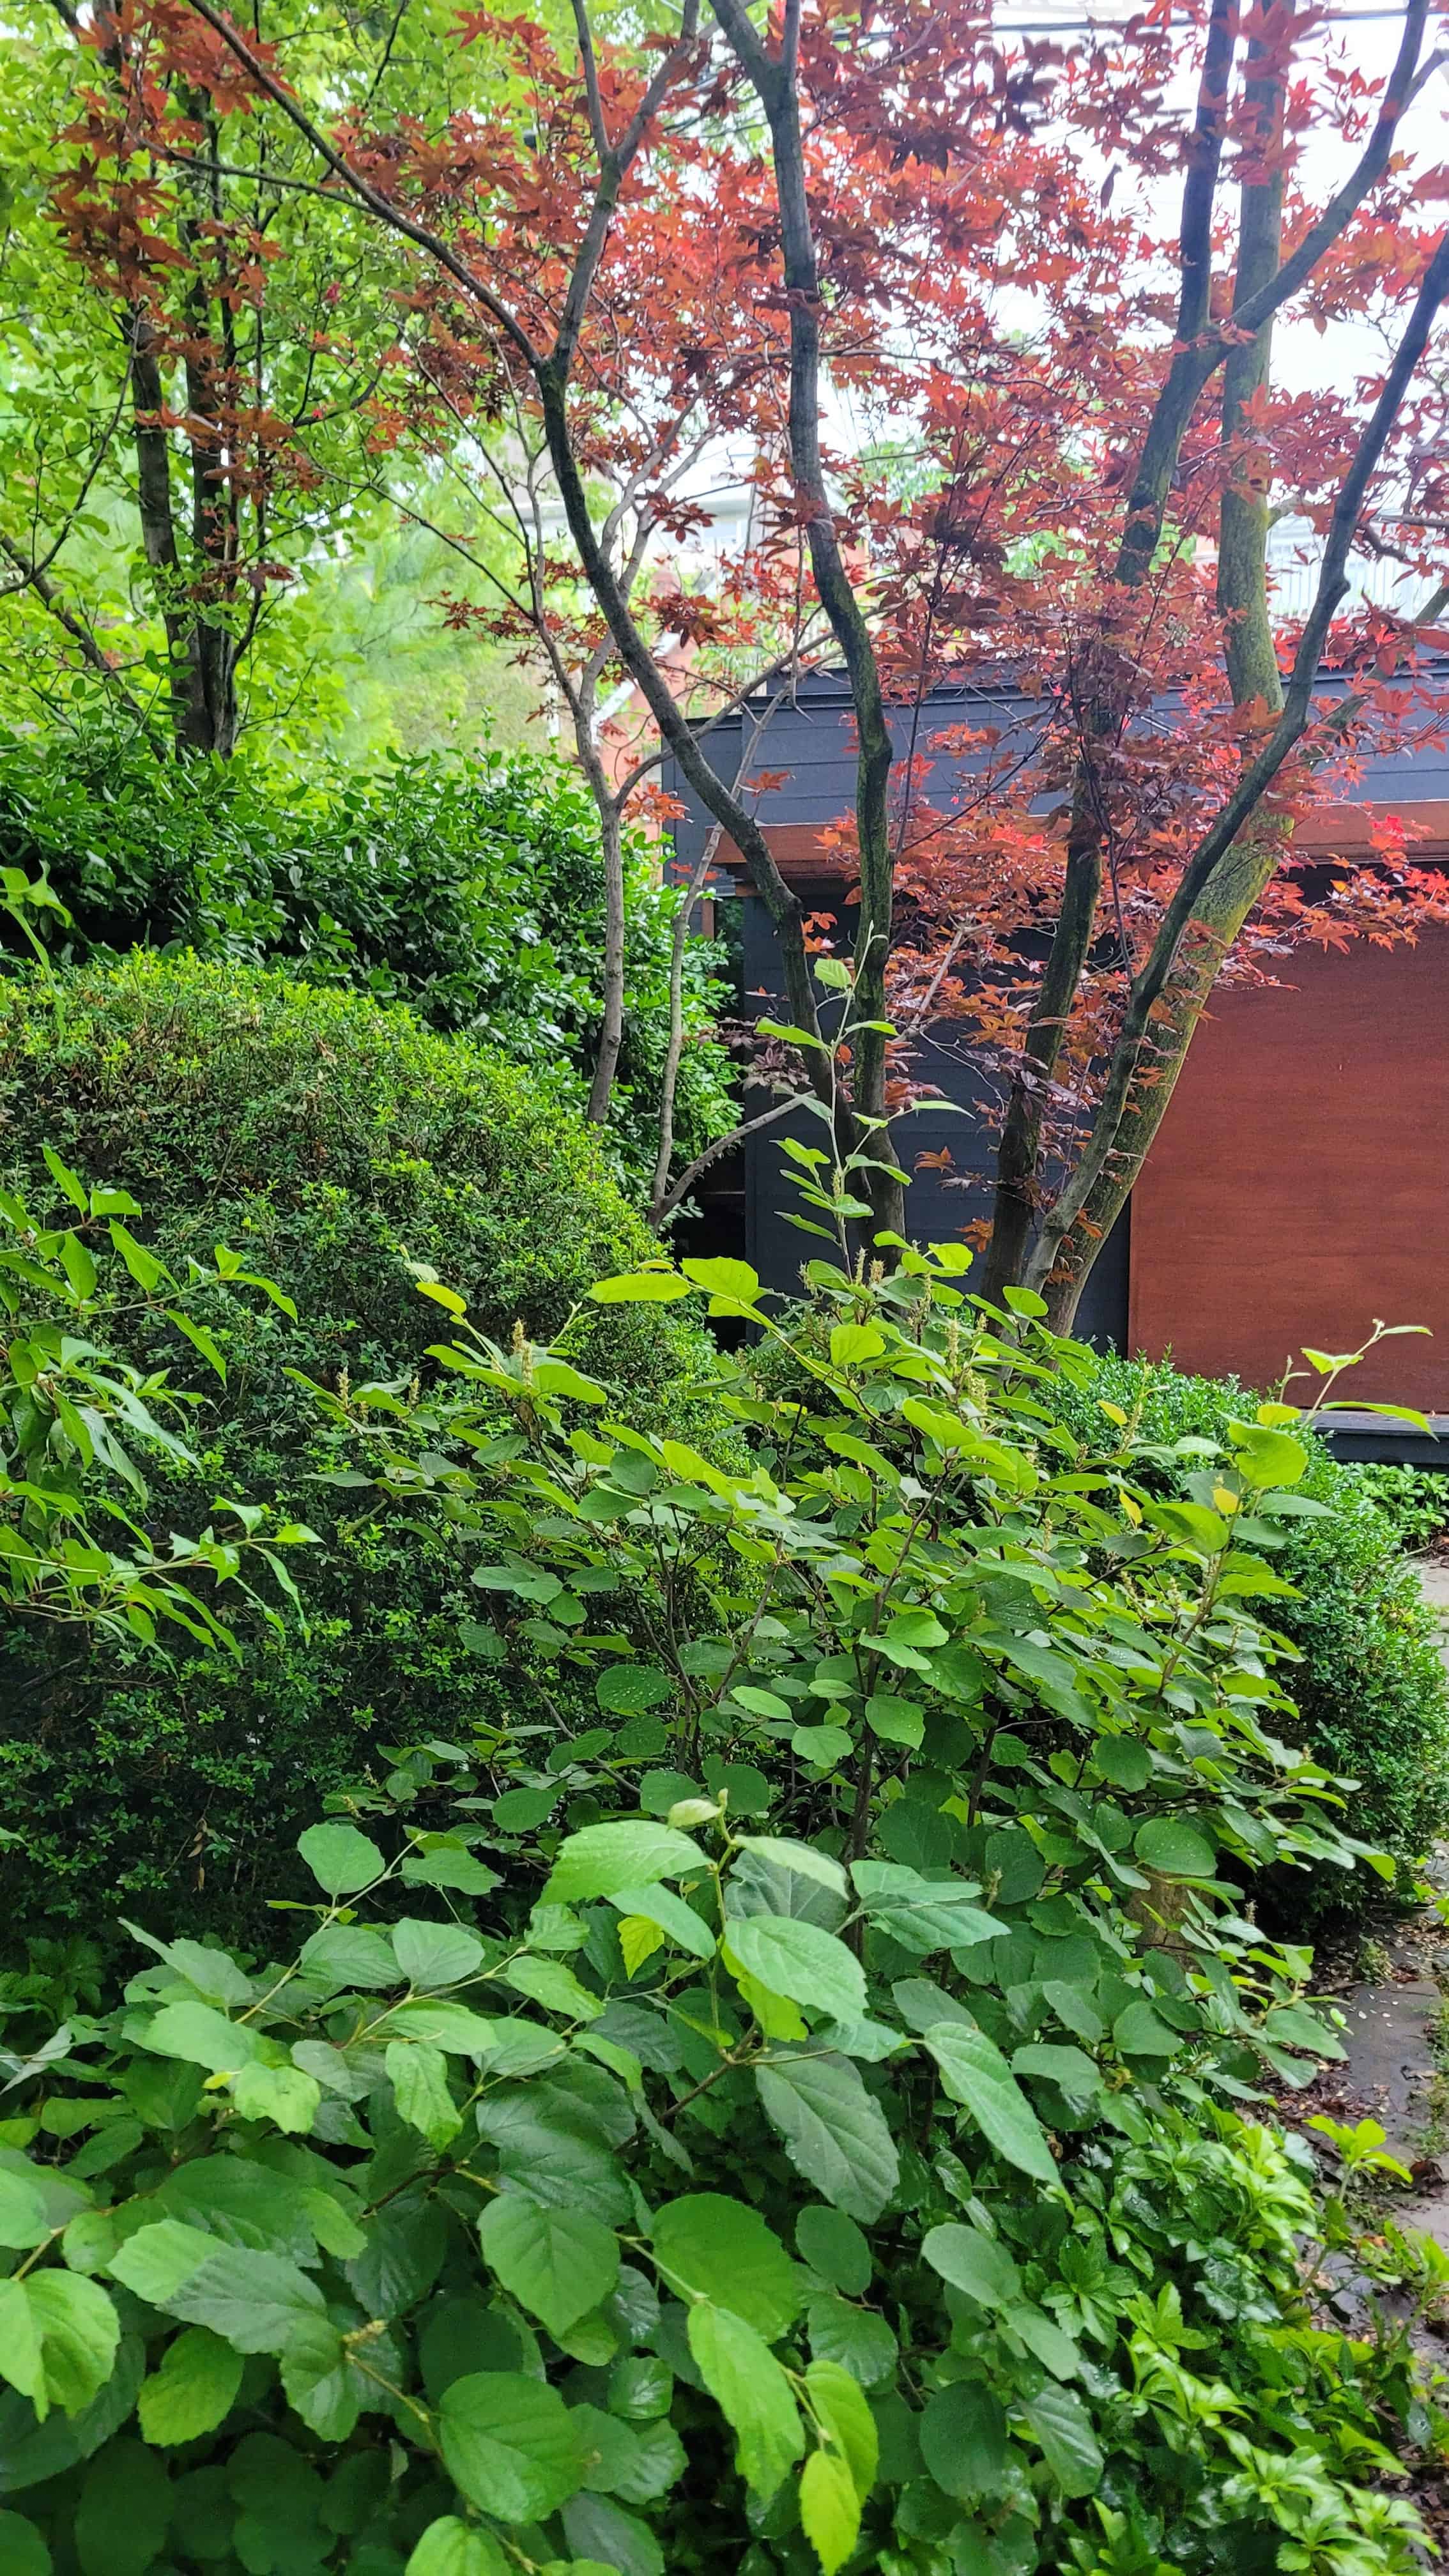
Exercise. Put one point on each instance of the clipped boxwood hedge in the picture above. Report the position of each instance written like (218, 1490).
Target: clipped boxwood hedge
(332, 1142)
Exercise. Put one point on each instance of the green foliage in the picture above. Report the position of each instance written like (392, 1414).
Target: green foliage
(1371, 1694)
(469, 888)
(805, 2157)
(1414, 1500)
(72, 1418)
(340, 1150)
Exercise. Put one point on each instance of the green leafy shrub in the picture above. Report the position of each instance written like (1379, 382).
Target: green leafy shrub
(835, 2150)
(467, 887)
(1414, 1499)
(1371, 1693)
(73, 1418)
(338, 1147)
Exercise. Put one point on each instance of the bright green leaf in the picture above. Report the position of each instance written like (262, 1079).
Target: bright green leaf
(509, 2444)
(751, 2391)
(975, 2073)
(194, 2389)
(557, 2263)
(712, 2247)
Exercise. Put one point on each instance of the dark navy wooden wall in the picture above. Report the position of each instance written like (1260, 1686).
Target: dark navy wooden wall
(939, 1202)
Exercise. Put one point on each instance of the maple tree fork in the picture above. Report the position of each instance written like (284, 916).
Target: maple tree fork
(639, 255)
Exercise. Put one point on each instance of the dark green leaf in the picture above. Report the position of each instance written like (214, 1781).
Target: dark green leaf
(835, 2132)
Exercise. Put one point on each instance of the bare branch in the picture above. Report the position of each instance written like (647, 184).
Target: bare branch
(32, 577)
(712, 1153)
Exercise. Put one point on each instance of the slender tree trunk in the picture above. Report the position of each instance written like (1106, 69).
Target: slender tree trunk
(669, 1084)
(1107, 682)
(611, 1030)
(210, 379)
(154, 508)
(1222, 881)
(776, 84)
(1254, 680)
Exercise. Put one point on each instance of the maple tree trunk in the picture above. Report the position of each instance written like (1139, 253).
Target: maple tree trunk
(1262, 286)
(1218, 917)
(1018, 1171)
(199, 650)
(1219, 885)
(777, 86)
(1254, 680)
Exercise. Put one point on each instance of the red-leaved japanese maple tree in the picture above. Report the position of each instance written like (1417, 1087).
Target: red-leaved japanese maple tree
(989, 317)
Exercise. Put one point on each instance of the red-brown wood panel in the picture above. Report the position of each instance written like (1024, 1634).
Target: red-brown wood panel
(1297, 1187)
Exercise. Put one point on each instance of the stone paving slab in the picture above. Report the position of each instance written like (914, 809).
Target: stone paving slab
(1390, 2056)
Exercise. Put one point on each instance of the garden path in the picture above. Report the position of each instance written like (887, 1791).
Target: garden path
(1394, 2065)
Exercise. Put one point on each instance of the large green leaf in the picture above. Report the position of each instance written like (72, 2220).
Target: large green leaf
(558, 2263)
(453, 2027)
(418, 2074)
(963, 2440)
(24, 2218)
(348, 1954)
(202, 2036)
(322, 2380)
(921, 1914)
(452, 2548)
(829, 2507)
(1064, 2429)
(194, 2389)
(550, 2151)
(550, 1983)
(836, 2402)
(285, 2095)
(640, 1288)
(858, 2339)
(1140, 2032)
(20, 2357)
(340, 1858)
(835, 2132)
(805, 1859)
(627, 1690)
(124, 2509)
(1175, 1848)
(800, 1961)
(975, 2073)
(24, 2551)
(607, 2541)
(157, 2259)
(751, 2391)
(709, 2246)
(1070, 2069)
(509, 2444)
(73, 2323)
(431, 1955)
(407, 2245)
(834, 2247)
(600, 1858)
(675, 1919)
(253, 2301)
(974, 2262)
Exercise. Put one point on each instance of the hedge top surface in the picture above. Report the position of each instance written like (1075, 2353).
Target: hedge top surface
(333, 1135)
